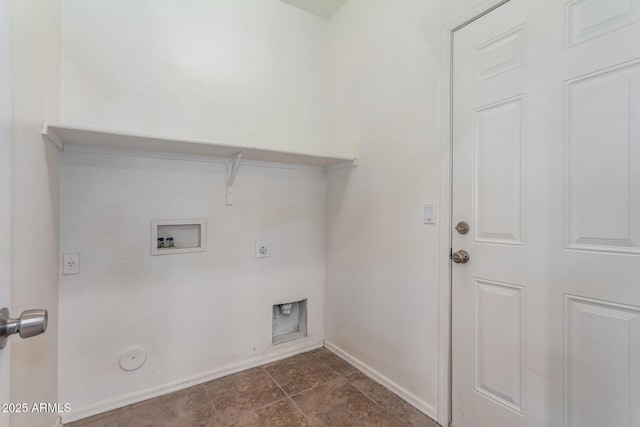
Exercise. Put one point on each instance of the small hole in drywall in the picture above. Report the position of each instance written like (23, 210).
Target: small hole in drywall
(289, 321)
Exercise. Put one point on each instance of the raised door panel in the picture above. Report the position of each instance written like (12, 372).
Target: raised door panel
(603, 161)
(587, 19)
(498, 342)
(602, 363)
(498, 172)
(501, 54)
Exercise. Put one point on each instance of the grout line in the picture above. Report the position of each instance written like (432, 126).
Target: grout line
(366, 395)
(286, 396)
(342, 375)
(316, 386)
(332, 380)
(307, 389)
(301, 411)
(276, 382)
(268, 404)
(398, 397)
(289, 397)
(342, 360)
(347, 374)
(377, 404)
(225, 419)
(351, 373)
(210, 398)
(333, 370)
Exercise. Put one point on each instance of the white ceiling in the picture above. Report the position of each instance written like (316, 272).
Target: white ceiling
(323, 8)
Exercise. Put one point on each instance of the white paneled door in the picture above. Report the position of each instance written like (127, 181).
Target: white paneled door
(5, 191)
(546, 172)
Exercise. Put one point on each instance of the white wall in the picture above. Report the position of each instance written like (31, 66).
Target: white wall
(196, 314)
(248, 72)
(35, 265)
(382, 261)
(261, 81)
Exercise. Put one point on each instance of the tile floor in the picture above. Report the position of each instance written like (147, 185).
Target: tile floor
(311, 389)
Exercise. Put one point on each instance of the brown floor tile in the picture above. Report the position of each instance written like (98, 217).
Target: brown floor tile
(242, 392)
(322, 355)
(338, 403)
(117, 418)
(390, 401)
(280, 414)
(185, 408)
(325, 390)
(300, 373)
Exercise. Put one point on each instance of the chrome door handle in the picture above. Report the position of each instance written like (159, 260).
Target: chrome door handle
(462, 227)
(460, 257)
(29, 324)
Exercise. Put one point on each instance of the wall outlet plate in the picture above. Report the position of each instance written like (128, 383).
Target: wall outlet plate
(263, 250)
(70, 263)
(430, 213)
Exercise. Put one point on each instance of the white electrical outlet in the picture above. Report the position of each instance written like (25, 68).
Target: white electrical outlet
(263, 250)
(70, 263)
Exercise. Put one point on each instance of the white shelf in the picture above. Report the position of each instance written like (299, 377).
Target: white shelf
(65, 134)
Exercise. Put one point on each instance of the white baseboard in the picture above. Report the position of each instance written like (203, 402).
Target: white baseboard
(142, 395)
(419, 404)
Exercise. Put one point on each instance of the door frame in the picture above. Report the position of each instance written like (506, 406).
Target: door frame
(445, 402)
(6, 142)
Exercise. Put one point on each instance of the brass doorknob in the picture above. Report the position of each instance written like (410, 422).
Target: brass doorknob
(460, 257)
